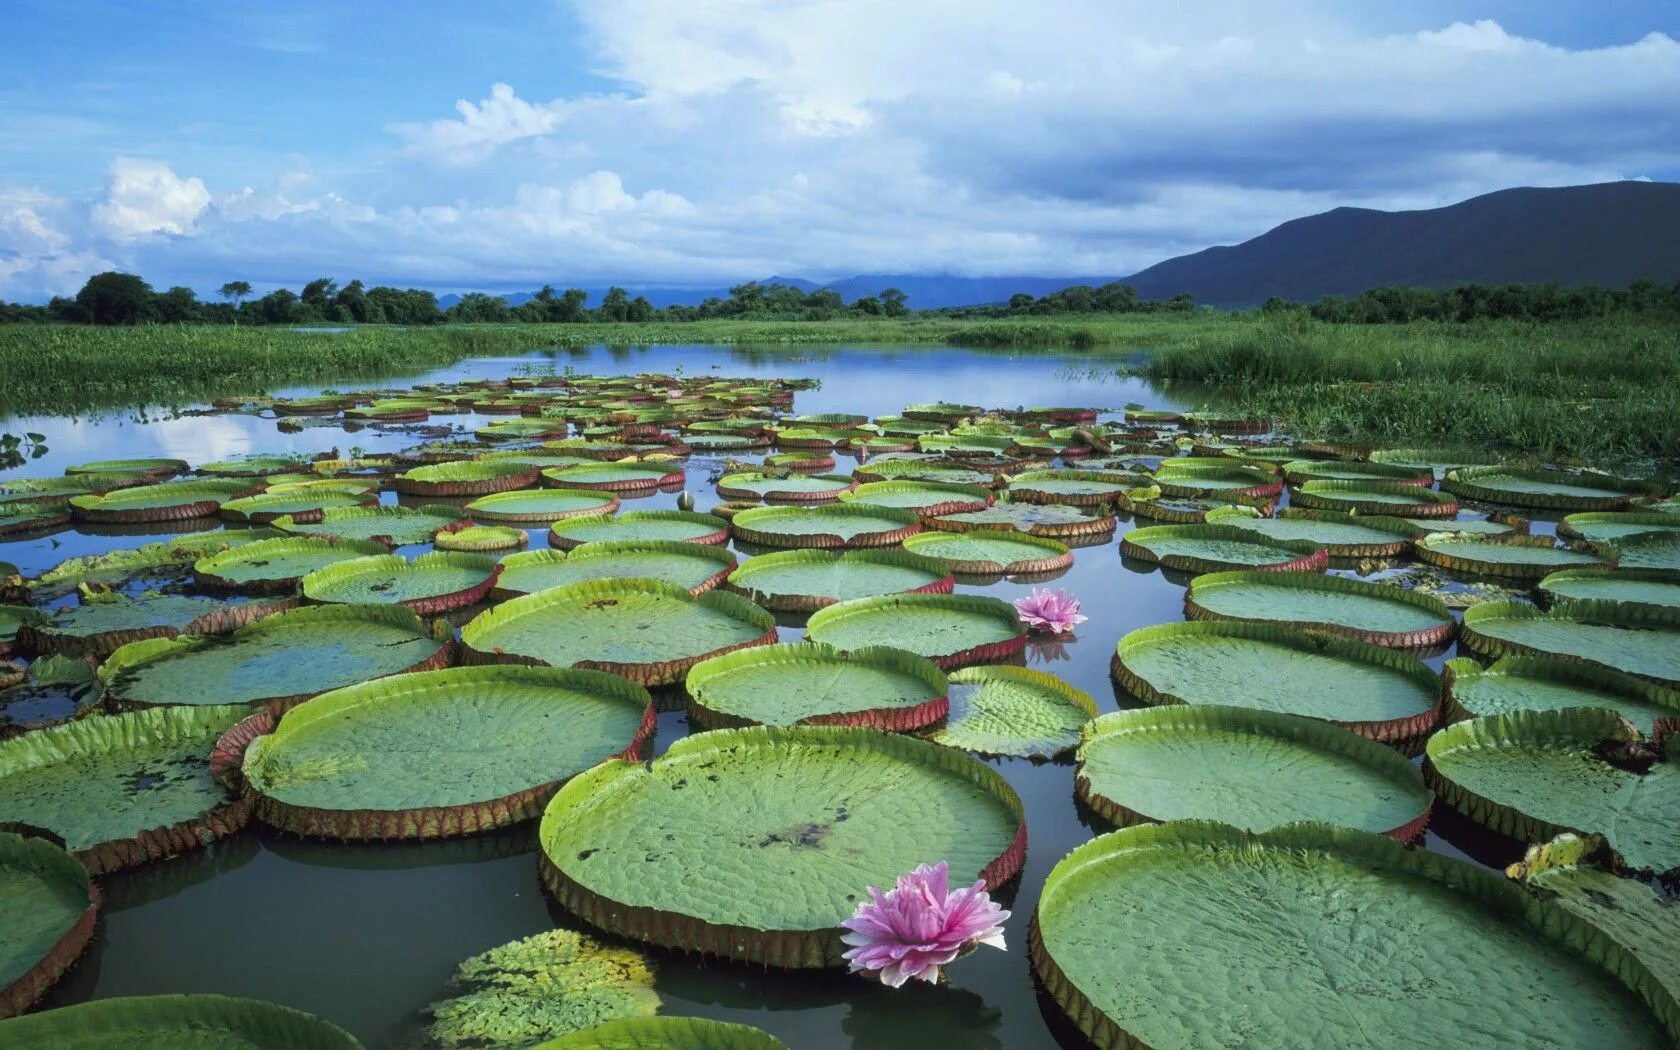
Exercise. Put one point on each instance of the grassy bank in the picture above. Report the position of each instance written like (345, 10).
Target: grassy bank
(63, 368)
(1590, 391)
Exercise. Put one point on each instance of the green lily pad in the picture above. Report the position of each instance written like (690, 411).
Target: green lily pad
(1201, 477)
(48, 919)
(678, 526)
(694, 567)
(278, 661)
(807, 683)
(952, 630)
(793, 488)
(1380, 693)
(1611, 526)
(1637, 641)
(1052, 520)
(1219, 548)
(542, 505)
(395, 526)
(1631, 587)
(676, 1033)
(104, 622)
(884, 469)
(616, 477)
(11, 618)
(551, 984)
(165, 501)
(1653, 553)
(466, 478)
(1544, 683)
(1016, 711)
(469, 538)
(926, 498)
(1435, 460)
(1319, 933)
(650, 632)
(1077, 488)
(826, 526)
(1531, 775)
(434, 582)
(941, 411)
(179, 1022)
(156, 467)
(123, 789)
(33, 517)
(637, 848)
(1523, 557)
(1374, 497)
(802, 581)
(1148, 501)
(1372, 612)
(1341, 535)
(1297, 471)
(985, 552)
(1466, 526)
(1247, 768)
(301, 503)
(1550, 489)
(51, 690)
(253, 466)
(497, 743)
(275, 566)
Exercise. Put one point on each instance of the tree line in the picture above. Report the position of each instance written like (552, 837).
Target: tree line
(1476, 302)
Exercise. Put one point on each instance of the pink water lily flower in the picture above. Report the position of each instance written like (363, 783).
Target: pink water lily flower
(1047, 610)
(920, 925)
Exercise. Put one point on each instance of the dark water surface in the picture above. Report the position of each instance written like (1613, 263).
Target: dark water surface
(367, 935)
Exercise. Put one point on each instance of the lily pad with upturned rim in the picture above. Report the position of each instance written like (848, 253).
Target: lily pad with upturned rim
(1248, 768)
(1051, 520)
(165, 501)
(695, 567)
(1077, 488)
(496, 741)
(1652, 553)
(1222, 478)
(1014, 711)
(254, 466)
(394, 526)
(33, 517)
(816, 807)
(825, 527)
(1545, 683)
(616, 477)
(279, 661)
(432, 583)
(541, 505)
(1381, 693)
(153, 467)
(680, 526)
(667, 1033)
(792, 488)
(952, 630)
(1220, 548)
(985, 552)
(926, 498)
(1381, 614)
(1341, 535)
(646, 630)
(1374, 497)
(1637, 641)
(1630, 587)
(472, 538)
(1523, 557)
(51, 909)
(11, 618)
(805, 580)
(103, 623)
(924, 470)
(1549, 489)
(48, 692)
(1468, 526)
(1298, 471)
(1152, 936)
(275, 566)
(123, 789)
(466, 478)
(808, 683)
(1611, 526)
(304, 503)
(179, 1022)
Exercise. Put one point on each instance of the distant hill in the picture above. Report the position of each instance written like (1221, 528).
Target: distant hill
(1609, 234)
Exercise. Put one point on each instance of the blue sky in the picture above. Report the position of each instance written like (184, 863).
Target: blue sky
(501, 145)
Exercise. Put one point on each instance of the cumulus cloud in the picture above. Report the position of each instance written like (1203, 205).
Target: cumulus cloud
(145, 197)
(500, 119)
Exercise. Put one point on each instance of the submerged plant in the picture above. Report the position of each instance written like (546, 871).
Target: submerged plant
(920, 925)
(1054, 611)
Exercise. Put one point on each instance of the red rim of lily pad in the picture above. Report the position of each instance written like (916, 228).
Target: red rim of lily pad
(85, 509)
(29, 986)
(463, 486)
(908, 524)
(33, 640)
(670, 475)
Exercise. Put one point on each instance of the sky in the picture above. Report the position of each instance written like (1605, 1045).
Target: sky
(500, 146)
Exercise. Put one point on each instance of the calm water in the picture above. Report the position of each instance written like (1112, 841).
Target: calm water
(368, 935)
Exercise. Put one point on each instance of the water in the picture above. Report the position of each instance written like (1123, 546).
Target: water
(367, 935)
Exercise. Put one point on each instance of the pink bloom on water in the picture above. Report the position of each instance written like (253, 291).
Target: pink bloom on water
(1047, 610)
(920, 925)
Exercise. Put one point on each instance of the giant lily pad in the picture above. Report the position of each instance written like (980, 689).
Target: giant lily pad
(792, 488)
(802, 581)
(1371, 612)
(660, 1033)
(50, 912)
(544, 505)
(649, 631)
(986, 552)
(1380, 693)
(1248, 768)
(51, 690)
(1221, 477)
(1551, 489)
(1531, 775)
(1341, 535)
(830, 526)
(926, 498)
(392, 526)
(435, 582)
(32, 517)
(165, 501)
(275, 566)
(1468, 526)
(554, 983)
(636, 848)
(497, 742)
(1188, 933)
(278, 661)
(1076, 488)
(1374, 497)
(679, 526)
(104, 622)
(1523, 557)
(1611, 526)
(180, 1022)
(952, 630)
(1053, 520)
(15, 492)
(254, 466)
(808, 683)
(302, 502)
(1652, 553)
(1298, 471)
(1634, 640)
(151, 467)
(694, 567)
(123, 789)
(1218, 548)
(11, 618)
(1435, 460)
(1545, 683)
(468, 478)
(1630, 587)
(471, 537)
(616, 477)
(885, 469)
(1148, 501)
(1006, 710)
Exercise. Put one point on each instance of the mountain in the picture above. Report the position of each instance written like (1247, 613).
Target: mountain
(1609, 234)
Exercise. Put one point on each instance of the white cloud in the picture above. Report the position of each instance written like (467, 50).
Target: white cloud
(145, 197)
(500, 119)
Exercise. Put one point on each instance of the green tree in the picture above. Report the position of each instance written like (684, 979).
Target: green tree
(894, 303)
(278, 307)
(178, 306)
(868, 304)
(352, 300)
(318, 300)
(641, 309)
(615, 305)
(115, 298)
(235, 292)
